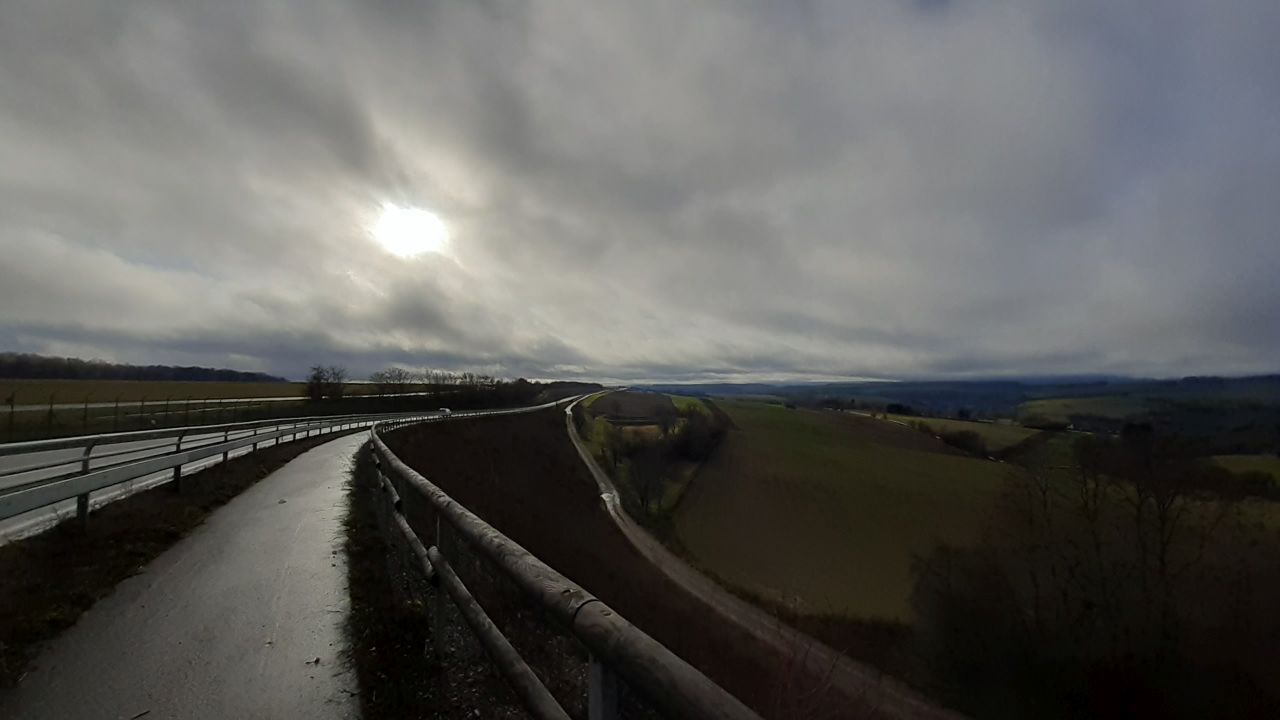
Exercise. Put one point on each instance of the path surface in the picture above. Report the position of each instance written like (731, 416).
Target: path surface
(228, 623)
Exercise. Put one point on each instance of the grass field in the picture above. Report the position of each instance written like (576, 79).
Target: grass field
(1250, 463)
(997, 437)
(1061, 409)
(685, 402)
(826, 510)
(38, 392)
(84, 406)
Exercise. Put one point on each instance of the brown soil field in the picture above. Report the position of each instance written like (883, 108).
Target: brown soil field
(625, 405)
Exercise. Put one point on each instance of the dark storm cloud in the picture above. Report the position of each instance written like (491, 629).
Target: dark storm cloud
(647, 191)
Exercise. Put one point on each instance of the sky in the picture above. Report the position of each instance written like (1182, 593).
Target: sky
(728, 190)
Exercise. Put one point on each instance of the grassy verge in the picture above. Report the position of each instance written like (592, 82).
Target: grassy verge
(54, 577)
(387, 634)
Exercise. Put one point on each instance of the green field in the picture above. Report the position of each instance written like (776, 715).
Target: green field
(685, 402)
(1061, 409)
(825, 510)
(1250, 463)
(83, 406)
(37, 392)
(997, 437)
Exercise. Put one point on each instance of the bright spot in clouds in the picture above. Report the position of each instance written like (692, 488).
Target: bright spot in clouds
(408, 231)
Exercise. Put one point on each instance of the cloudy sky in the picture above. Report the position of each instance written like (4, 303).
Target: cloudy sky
(646, 190)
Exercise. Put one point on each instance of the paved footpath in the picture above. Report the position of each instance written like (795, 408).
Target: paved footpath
(228, 623)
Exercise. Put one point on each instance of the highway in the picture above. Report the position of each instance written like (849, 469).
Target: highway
(240, 619)
(19, 470)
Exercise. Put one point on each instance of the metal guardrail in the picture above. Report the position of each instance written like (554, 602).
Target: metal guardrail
(76, 471)
(62, 443)
(672, 685)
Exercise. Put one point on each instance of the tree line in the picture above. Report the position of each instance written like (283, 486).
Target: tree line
(465, 389)
(395, 379)
(25, 366)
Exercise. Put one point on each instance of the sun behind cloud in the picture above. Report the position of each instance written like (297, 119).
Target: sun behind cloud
(409, 231)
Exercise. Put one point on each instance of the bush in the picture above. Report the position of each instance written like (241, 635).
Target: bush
(698, 437)
(966, 440)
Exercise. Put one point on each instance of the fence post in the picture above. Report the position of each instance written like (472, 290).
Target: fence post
(602, 692)
(50, 412)
(115, 424)
(13, 400)
(84, 418)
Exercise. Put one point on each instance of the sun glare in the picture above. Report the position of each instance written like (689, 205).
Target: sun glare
(408, 231)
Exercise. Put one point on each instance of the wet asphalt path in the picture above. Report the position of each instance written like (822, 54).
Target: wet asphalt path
(228, 623)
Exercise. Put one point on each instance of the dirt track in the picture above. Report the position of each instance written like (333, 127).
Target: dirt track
(522, 474)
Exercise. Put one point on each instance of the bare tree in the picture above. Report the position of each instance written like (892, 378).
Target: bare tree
(326, 381)
(336, 381)
(646, 467)
(393, 379)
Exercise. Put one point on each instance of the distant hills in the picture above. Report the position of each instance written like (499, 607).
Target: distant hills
(24, 366)
(1003, 396)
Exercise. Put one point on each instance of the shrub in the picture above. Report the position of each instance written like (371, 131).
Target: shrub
(966, 440)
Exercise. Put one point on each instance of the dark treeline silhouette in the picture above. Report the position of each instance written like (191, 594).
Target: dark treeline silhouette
(24, 366)
(1142, 583)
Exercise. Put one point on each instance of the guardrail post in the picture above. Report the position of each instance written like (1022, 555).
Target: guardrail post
(82, 511)
(226, 437)
(602, 692)
(255, 442)
(177, 469)
(82, 501)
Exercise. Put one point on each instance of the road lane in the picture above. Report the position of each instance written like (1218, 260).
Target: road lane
(227, 623)
(20, 470)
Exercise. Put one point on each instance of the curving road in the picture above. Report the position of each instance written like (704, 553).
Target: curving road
(240, 619)
(857, 681)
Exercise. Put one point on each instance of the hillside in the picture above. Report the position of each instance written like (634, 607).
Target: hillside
(825, 510)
